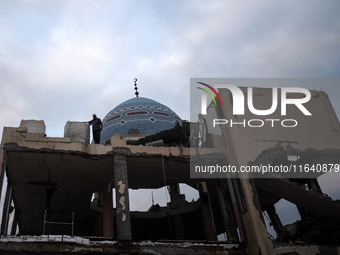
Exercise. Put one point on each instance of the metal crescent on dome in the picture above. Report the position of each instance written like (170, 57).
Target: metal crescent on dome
(136, 88)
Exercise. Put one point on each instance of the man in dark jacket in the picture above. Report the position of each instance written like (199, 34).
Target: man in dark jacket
(97, 127)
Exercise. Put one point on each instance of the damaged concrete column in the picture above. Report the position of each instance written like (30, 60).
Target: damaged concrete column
(122, 199)
(277, 224)
(207, 214)
(3, 161)
(108, 224)
(229, 222)
(15, 223)
(6, 209)
(177, 200)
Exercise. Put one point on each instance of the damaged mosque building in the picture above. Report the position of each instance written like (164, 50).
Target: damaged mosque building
(60, 190)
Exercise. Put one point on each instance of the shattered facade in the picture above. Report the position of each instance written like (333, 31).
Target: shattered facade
(63, 187)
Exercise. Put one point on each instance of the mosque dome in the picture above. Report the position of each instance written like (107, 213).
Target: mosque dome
(138, 115)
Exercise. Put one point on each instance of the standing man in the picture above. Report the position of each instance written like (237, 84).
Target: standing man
(97, 127)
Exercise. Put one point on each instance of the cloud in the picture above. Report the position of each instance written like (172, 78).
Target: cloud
(61, 55)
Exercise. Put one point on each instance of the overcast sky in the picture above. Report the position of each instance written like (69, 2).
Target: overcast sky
(63, 60)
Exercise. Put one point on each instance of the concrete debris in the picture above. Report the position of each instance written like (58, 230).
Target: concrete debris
(46, 238)
(150, 251)
(149, 243)
(186, 244)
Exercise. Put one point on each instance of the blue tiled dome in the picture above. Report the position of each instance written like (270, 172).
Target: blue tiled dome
(138, 115)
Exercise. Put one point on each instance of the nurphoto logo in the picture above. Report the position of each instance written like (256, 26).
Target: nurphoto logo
(238, 99)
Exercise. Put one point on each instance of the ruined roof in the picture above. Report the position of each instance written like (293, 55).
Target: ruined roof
(138, 115)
